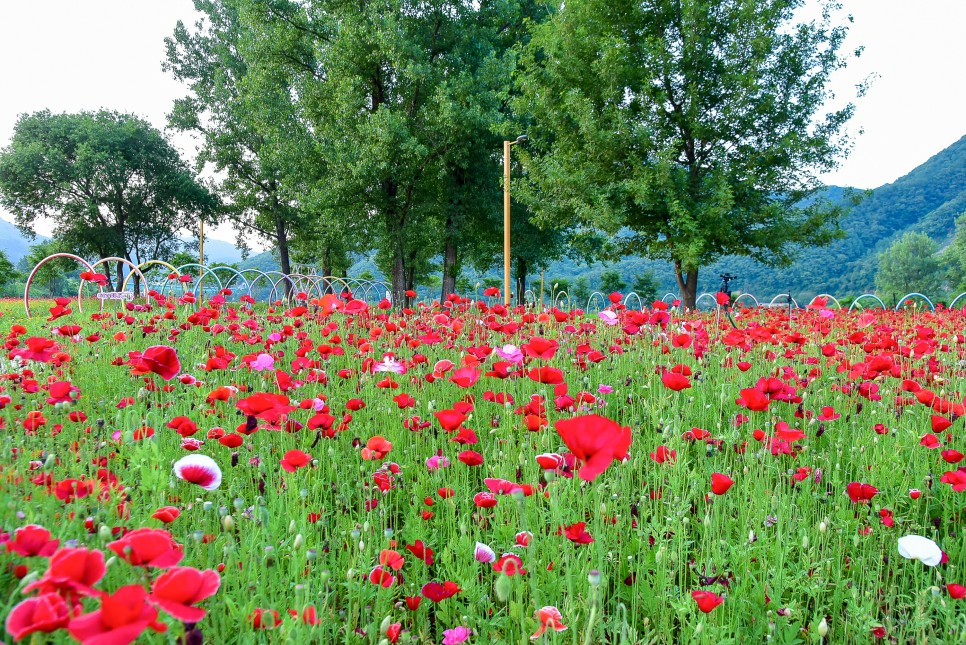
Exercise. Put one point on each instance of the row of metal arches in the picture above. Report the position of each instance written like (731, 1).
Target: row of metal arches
(268, 286)
(273, 286)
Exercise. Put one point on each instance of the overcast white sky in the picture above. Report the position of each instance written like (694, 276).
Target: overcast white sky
(72, 55)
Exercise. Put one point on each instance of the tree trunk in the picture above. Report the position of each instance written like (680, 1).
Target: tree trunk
(450, 266)
(521, 281)
(398, 279)
(688, 284)
(120, 276)
(281, 236)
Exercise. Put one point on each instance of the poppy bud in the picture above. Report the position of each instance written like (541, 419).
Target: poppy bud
(104, 532)
(228, 523)
(298, 542)
(503, 587)
(823, 628)
(594, 578)
(822, 527)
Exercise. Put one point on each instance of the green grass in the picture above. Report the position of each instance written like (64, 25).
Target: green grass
(657, 527)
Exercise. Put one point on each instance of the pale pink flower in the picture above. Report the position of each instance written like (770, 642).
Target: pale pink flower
(263, 362)
(608, 317)
(510, 353)
(605, 389)
(436, 462)
(456, 635)
(483, 553)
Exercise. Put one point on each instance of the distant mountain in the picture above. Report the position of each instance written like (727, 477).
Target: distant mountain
(13, 243)
(16, 246)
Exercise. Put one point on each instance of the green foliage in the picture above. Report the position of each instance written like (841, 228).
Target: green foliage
(657, 140)
(110, 182)
(8, 272)
(910, 264)
(611, 281)
(55, 274)
(954, 257)
(646, 286)
(581, 289)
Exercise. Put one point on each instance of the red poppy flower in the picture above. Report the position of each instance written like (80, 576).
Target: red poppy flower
(45, 614)
(720, 483)
(952, 456)
(542, 348)
(264, 618)
(675, 381)
(166, 514)
(576, 533)
(753, 399)
(595, 440)
(956, 479)
(546, 375)
(450, 420)
(295, 459)
(861, 493)
(32, 540)
(550, 618)
(706, 600)
(421, 551)
(177, 590)
(940, 424)
(466, 377)
(663, 454)
(381, 577)
(71, 571)
(183, 426)
(376, 448)
(146, 547)
(158, 359)
(956, 591)
(266, 406)
(438, 591)
(509, 564)
(123, 616)
(470, 458)
(484, 500)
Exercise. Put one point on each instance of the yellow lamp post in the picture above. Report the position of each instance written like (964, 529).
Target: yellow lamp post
(506, 216)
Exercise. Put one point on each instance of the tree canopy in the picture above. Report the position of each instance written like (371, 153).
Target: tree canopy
(110, 182)
(910, 265)
(695, 127)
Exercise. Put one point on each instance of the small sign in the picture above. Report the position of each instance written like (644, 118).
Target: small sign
(115, 295)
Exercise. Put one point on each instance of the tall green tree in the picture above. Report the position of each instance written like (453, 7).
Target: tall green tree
(8, 272)
(910, 265)
(701, 127)
(241, 109)
(110, 182)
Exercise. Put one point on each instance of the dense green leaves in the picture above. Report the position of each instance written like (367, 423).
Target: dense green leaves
(910, 265)
(696, 125)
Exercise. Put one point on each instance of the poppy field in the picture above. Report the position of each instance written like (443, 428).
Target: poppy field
(326, 470)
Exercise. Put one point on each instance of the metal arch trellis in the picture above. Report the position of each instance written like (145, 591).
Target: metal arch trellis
(530, 297)
(746, 295)
(915, 294)
(640, 303)
(144, 265)
(593, 298)
(134, 269)
(788, 300)
(251, 282)
(697, 301)
(30, 278)
(673, 297)
(952, 305)
(272, 295)
(867, 295)
(825, 295)
(199, 285)
(234, 274)
(560, 294)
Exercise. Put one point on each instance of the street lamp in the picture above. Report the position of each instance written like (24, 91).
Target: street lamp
(506, 216)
